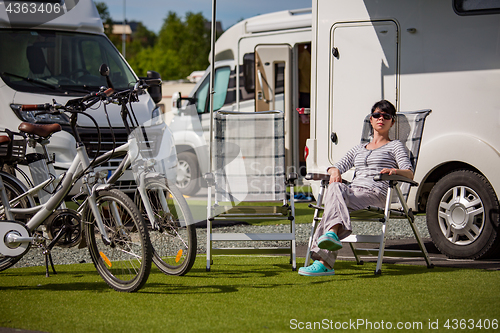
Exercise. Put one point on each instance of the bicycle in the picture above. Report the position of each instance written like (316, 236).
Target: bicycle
(171, 224)
(115, 231)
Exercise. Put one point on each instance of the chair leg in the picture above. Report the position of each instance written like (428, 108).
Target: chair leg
(420, 243)
(308, 252)
(316, 218)
(355, 253)
(381, 247)
(209, 244)
(411, 220)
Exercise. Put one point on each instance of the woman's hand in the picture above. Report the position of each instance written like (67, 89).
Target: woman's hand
(335, 176)
(390, 171)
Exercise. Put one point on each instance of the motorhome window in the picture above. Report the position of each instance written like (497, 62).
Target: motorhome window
(279, 78)
(55, 62)
(475, 7)
(221, 83)
(249, 72)
(246, 94)
(231, 89)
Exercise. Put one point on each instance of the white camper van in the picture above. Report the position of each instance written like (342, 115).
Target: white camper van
(256, 69)
(53, 51)
(418, 54)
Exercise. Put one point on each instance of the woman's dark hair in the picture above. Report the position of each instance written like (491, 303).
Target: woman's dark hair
(385, 106)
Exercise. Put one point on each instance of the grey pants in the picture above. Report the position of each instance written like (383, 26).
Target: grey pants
(339, 200)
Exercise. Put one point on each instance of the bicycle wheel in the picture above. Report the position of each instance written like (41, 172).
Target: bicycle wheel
(173, 237)
(125, 262)
(14, 188)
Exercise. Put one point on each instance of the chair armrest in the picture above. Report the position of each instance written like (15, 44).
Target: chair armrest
(324, 177)
(395, 178)
(317, 176)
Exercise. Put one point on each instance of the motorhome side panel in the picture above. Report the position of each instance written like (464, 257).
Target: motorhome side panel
(432, 72)
(440, 59)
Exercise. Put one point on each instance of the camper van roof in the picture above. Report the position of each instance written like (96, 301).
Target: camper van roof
(287, 19)
(83, 17)
(261, 24)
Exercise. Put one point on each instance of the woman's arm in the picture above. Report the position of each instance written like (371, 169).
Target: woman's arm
(404, 173)
(345, 163)
(402, 161)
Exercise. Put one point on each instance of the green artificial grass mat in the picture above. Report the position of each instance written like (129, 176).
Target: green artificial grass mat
(250, 294)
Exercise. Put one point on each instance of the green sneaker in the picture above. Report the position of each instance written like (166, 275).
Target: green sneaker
(329, 241)
(316, 269)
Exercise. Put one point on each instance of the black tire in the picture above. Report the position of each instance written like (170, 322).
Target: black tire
(14, 189)
(188, 174)
(124, 264)
(463, 216)
(173, 237)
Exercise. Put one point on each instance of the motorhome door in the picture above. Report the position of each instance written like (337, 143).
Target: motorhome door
(273, 88)
(363, 70)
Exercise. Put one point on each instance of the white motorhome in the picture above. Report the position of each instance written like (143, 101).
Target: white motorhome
(53, 50)
(418, 54)
(256, 69)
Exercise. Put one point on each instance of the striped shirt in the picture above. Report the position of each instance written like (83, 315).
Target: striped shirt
(368, 163)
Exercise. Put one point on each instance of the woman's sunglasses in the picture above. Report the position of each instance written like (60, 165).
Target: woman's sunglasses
(377, 115)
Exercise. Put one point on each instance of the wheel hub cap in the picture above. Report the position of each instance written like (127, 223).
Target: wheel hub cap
(458, 216)
(461, 215)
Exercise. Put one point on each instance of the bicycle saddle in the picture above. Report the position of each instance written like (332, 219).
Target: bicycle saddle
(4, 139)
(44, 130)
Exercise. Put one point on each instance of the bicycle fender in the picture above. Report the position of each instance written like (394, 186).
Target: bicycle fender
(102, 187)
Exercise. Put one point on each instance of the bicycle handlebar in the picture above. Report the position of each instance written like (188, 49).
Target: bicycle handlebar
(94, 96)
(36, 107)
(108, 92)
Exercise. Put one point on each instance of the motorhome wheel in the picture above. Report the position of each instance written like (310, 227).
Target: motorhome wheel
(188, 179)
(463, 216)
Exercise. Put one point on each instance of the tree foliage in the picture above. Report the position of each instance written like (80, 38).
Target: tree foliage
(181, 46)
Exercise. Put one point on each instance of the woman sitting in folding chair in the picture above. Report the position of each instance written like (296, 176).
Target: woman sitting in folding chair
(381, 155)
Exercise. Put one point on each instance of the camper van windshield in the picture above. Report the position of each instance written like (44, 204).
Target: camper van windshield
(54, 62)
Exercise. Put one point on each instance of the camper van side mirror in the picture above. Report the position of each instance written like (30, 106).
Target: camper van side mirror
(191, 100)
(155, 91)
(104, 70)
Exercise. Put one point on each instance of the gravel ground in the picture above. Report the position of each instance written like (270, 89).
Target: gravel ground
(396, 229)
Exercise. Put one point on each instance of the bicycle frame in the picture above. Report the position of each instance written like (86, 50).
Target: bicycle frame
(43, 211)
(125, 164)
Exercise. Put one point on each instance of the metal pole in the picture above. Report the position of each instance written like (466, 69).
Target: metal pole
(212, 81)
(123, 31)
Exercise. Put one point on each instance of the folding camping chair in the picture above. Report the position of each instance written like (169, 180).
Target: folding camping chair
(250, 167)
(408, 129)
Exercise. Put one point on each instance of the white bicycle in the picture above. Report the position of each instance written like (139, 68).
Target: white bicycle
(115, 231)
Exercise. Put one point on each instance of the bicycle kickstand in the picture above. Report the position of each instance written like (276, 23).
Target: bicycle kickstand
(47, 253)
(48, 258)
